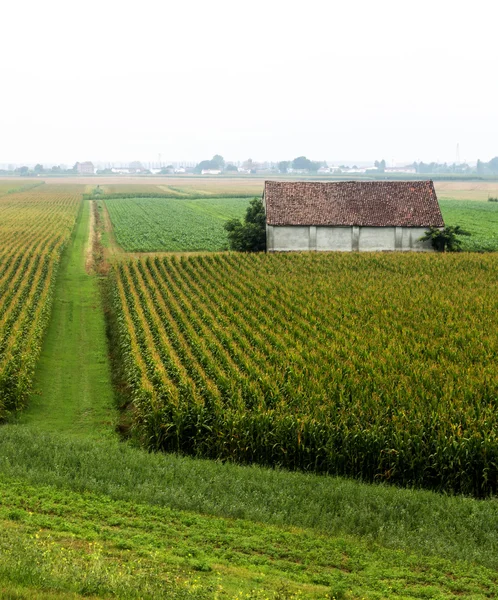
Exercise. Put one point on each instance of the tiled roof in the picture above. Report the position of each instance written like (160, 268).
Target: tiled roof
(363, 203)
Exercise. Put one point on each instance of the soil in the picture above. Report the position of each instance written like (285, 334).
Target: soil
(89, 260)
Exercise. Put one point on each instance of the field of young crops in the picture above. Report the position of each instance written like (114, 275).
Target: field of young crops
(169, 224)
(378, 366)
(479, 218)
(34, 226)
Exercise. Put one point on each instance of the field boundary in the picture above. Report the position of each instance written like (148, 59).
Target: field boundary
(72, 386)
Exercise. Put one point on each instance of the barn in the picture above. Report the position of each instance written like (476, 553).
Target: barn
(349, 215)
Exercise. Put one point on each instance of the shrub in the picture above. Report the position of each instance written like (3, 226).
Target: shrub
(249, 236)
(445, 240)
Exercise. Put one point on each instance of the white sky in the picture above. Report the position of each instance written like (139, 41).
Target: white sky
(116, 81)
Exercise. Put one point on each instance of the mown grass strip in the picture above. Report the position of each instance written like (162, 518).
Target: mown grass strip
(73, 390)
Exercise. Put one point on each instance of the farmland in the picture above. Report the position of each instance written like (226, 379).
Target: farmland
(378, 367)
(168, 224)
(15, 185)
(284, 360)
(480, 219)
(34, 227)
(164, 223)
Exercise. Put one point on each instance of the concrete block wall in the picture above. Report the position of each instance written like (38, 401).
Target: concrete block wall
(290, 238)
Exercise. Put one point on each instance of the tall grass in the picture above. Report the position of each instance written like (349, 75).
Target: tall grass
(416, 521)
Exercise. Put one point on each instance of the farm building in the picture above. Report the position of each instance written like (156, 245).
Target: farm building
(349, 215)
(85, 168)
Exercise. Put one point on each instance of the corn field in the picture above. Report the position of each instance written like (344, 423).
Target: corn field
(34, 226)
(381, 367)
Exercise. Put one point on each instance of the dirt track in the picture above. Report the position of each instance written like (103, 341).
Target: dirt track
(91, 239)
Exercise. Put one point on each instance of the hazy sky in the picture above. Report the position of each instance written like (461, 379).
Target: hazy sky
(274, 79)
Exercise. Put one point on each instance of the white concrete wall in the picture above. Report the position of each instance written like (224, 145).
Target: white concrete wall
(334, 238)
(377, 238)
(411, 237)
(291, 238)
(302, 238)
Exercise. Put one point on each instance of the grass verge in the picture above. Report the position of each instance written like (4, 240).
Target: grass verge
(426, 523)
(72, 386)
(89, 518)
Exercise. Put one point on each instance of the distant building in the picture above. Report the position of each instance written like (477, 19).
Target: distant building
(356, 170)
(297, 171)
(349, 215)
(210, 171)
(85, 168)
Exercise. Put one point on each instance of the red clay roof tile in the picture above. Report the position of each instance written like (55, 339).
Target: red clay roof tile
(346, 203)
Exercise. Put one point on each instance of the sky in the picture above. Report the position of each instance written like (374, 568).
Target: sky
(271, 80)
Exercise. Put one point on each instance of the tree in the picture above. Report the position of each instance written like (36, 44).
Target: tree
(283, 165)
(38, 168)
(302, 163)
(381, 165)
(218, 161)
(493, 164)
(445, 240)
(249, 236)
(136, 165)
(231, 168)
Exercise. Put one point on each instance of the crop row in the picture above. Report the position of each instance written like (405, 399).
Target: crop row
(34, 227)
(382, 366)
(173, 224)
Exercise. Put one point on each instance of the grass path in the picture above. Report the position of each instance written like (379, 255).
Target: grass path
(72, 388)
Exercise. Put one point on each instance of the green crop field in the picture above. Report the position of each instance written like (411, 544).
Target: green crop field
(34, 227)
(169, 224)
(479, 218)
(377, 366)
(13, 186)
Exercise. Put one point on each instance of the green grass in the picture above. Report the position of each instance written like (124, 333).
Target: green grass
(170, 224)
(423, 522)
(98, 517)
(72, 386)
(479, 218)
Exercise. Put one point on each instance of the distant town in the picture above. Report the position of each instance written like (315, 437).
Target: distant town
(218, 166)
